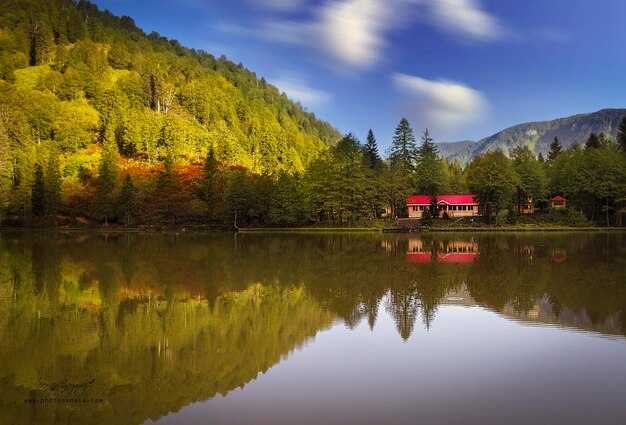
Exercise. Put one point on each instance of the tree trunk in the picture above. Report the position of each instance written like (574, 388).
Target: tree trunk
(593, 207)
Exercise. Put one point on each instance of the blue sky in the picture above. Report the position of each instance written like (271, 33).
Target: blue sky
(463, 68)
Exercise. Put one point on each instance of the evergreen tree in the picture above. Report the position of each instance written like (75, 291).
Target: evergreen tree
(403, 148)
(127, 203)
(371, 158)
(595, 141)
(430, 174)
(428, 147)
(621, 135)
(540, 158)
(555, 150)
(38, 197)
(52, 185)
(5, 167)
(108, 175)
(210, 186)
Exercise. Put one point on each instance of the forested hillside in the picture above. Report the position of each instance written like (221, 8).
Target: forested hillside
(101, 123)
(74, 80)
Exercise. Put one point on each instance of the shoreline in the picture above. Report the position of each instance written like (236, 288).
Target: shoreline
(196, 230)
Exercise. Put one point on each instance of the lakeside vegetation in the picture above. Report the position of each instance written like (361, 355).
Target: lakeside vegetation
(102, 124)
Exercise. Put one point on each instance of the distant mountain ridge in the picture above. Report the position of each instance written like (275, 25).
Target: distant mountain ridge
(538, 135)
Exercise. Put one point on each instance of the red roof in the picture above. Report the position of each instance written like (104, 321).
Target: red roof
(419, 257)
(457, 199)
(418, 200)
(558, 198)
(458, 257)
(449, 199)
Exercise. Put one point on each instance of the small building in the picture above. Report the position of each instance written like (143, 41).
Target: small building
(452, 205)
(558, 202)
(417, 205)
(526, 205)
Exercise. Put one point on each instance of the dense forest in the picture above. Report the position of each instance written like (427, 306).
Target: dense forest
(101, 123)
(80, 88)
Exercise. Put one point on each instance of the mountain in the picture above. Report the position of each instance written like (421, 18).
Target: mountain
(538, 135)
(72, 76)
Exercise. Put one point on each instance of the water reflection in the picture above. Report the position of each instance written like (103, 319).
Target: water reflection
(161, 321)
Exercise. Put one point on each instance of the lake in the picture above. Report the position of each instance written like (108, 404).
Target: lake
(128, 328)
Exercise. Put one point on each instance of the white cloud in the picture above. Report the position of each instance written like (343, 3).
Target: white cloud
(444, 105)
(297, 88)
(352, 34)
(352, 31)
(465, 17)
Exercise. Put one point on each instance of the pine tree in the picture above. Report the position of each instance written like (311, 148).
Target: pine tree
(593, 142)
(430, 173)
(541, 159)
(38, 197)
(210, 185)
(52, 186)
(621, 135)
(127, 203)
(403, 148)
(555, 150)
(427, 147)
(5, 167)
(109, 174)
(371, 158)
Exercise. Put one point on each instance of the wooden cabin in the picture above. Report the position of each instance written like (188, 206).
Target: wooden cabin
(453, 205)
(526, 205)
(558, 202)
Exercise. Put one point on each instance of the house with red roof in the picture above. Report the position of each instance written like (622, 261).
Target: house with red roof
(558, 202)
(453, 205)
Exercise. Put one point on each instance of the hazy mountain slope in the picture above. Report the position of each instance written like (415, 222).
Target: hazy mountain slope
(462, 151)
(538, 135)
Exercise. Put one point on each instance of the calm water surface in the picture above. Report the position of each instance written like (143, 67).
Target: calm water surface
(312, 329)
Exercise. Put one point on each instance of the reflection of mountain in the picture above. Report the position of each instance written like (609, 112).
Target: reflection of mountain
(162, 321)
(543, 312)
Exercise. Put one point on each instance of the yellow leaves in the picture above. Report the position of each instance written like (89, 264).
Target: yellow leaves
(28, 78)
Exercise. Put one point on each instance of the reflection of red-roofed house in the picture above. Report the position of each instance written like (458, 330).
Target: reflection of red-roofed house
(558, 256)
(446, 252)
(558, 202)
(453, 205)
(465, 257)
(419, 257)
(458, 252)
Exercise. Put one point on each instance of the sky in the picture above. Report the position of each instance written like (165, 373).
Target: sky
(465, 69)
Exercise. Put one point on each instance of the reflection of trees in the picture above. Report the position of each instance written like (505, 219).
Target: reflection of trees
(403, 306)
(162, 321)
(150, 349)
